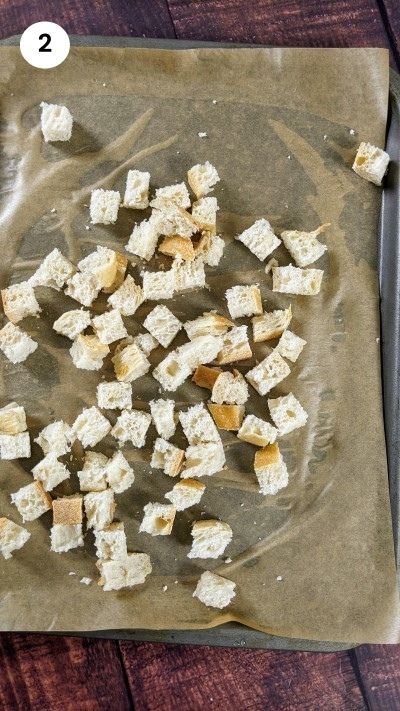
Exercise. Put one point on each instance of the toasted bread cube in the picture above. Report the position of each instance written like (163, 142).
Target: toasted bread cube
(260, 239)
(270, 470)
(185, 494)
(119, 473)
(202, 178)
(137, 190)
(88, 352)
(371, 163)
(210, 538)
(130, 363)
(99, 508)
(83, 287)
(177, 194)
(271, 324)
(50, 472)
(110, 542)
(67, 510)
(287, 413)
(162, 324)
(53, 272)
(16, 344)
(244, 300)
(293, 280)
(257, 431)
(162, 412)
(118, 574)
(209, 324)
(19, 301)
(92, 477)
(214, 591)
(172, 371)
(304, 246)
(12, 537)
(267, 374)
(132, 426)
(90, 427)
(177, 246)
(230, 388)
(127, 298)
(203, 459)
(235, 346)
(290, 346)
(213, 250)
(72, 323)
(204, 212)
(158, 285)
(104, 206)
(205, 377)
(12, 419)
(109, 327)
(122, 263)
(114, 395)
(188, 275)
(144, 238)
(227, 417)
(56, 122)
(198, 425)
(167, 457)
(102, 264)
(158, 519)
(200, 350)
(55, 438)
(65, 536)
(174, 220)
(31, 501)
(16, 446)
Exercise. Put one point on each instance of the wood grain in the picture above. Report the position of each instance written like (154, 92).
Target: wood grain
(379, 668)
(61, 674)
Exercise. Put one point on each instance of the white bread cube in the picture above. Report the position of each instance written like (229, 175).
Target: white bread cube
(127, 298)
(132, 426)
(212, 254)
(12, 419)
(67, 510)
(102, 264)
(88, 353)
(72, 323)
(260, 239)
(198, 425)
(287, 413)
(188, 275)
(146, 342)
(371, 163)
(304, 247)
(174, 220)
(158, 285)
(209, 324)
(55, 438)
(230, 388)
(235, 346)
(31, 501)
(54, 271)
(158, 519)
(162, 412)
(110, 542)
(177, 194)
(15, 343)
(118, 574)
(65, 536)
(130, 363)
(210, 538)
(56, 122)
(90, 427)
(257, 431)
(185, 494)
(99, 508)
(83, 287)
(12, 537)
(16, 446)
(290, 346)
(122, 264)
(137, 190)
(271, 324)
(19, 301)
(104, 206)
(119, 473)
(293, 280)
(244, 300)
(114, 395)
(203, 459)
(92, 477)
(271, 371)
(200, 350)
(202, 178)
(171, 372)
(270, 470)
(50, 472)
(214, 591)
(204, 212)
(109, 327)
(143, 239)
(167, 457)
(162, 324)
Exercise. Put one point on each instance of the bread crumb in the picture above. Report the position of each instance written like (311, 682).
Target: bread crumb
(202, 134)
(325, 136)
(352, 132)
(87, 227)
(242, 504)
(177, 153)
(279, 578)
(228, 560)
(289, 157)
(104, 84)
(377, 339)
(85, 581)
(71, 573)
(53, 209)
(165, 588)
(176, 582)
(214, 101)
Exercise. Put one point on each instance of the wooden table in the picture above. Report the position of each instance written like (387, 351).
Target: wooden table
(48, 673)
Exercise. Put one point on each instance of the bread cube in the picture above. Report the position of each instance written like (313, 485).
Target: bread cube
(176, 246)
(214, 591)
(132, 426)
(55, 438)
(137, 190)
(267, 374)
(244, 300)
(67, 510)
(16, 344)
(162, 412)
(12, 419)
(65, 536)
(114, 395)
(235, 346)
(202, 178)
(293, 280)
(31, 501)
(90, 427)
(227, 417)
(19, 301)
(50, 472)
(210, 538)
(204, 213)
(260, 239)
(198, 425)
(118, 574)
(83, 287)
(109, 327)
(54, 271)
(56, 122)
(270, 470)
(110, 542)
(213, 250)
(158, 519)
(290, 346)
(102, 264)
(209, 324)
(146, 342)
(144, 238)
(16, 446)
(171, 372)
(104, 206)
(177, 194)
(257, 431)
(12, 537)
(174, 220)
(371, 163)
(271, 324)
(127, 298)
(88, 352)
(92, 477)
(304, 247)
(188, 275)
(198, 351)
(230, 388)
(99, 508)
(203, 459)
(185, 494)
(72, 323)
(130, 363)
(162, 324)
(158, 285)
(119, 473)
(167, 457)
(287, 413)
(205, 377)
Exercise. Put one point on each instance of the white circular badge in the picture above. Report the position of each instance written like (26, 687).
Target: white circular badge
(44, 45)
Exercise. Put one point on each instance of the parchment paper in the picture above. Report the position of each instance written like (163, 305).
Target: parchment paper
(280, 137)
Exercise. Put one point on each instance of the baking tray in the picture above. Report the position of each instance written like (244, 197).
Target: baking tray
(233, 634)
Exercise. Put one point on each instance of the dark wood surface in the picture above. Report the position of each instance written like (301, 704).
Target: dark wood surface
(70, 674)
